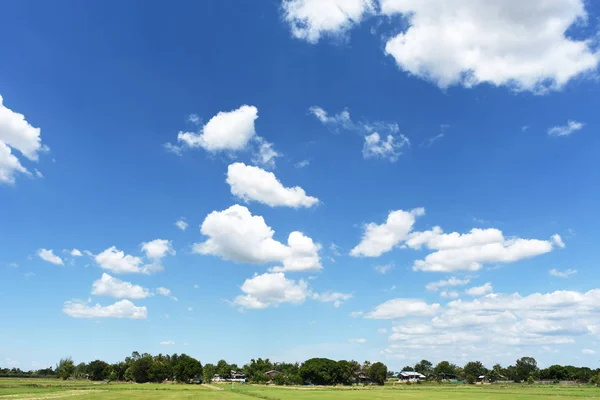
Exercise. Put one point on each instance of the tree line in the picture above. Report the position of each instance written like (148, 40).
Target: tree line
(142, 368)
(525, 369)
(145, 367)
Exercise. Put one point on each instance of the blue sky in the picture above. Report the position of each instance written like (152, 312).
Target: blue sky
(331, 161)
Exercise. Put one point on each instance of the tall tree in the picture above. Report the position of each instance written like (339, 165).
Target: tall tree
(187, 368)
(474, 369)
(378, 373)
(526, 366)
(424, 367)
(65, 368)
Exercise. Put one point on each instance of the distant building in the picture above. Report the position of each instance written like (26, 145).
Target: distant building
(410, 376)
(362, 378)
(271, 374)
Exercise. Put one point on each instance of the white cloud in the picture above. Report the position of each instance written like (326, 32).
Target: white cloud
(565, 130)
(379, 239)
(467, 42)
(265, 155)
(357, 340)
(311, 19)
(400, 308)
(477, 291)
(302, 164)
(18, 134)
(384, 268)
(167, 343)
(194, 119)
(449, 294)
(113, 287)
(332, 297)
(9, 165)
(75, 253)
(163, 291)
(382, 330)
(435, 286)
(120, 309)
(157, 249)
(453, 251)
(235, 234)
(117, 262)
(388, 149)
(181, 224)
(557, 240)
(230, 130)
(340, 120)
(49, 256)
(469, 251)
(588, 351)
(356, 314)
(270, 290)
(549, 319)
(562, 274)
(252, 183)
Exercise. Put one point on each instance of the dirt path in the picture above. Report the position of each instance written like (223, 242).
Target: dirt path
(54, 395)
(213, 387)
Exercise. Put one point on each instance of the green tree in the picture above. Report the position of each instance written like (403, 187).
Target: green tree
(97, 370)
(345, 372)
(424, 367)
(187, 368)
(208, 372)
(445, 370)
(524, 367)
(141, 368)
(320, 371)
(408, 368)
(472, 370)
(128, 375)
(279, 379)
(65, 368)
(223, 369)
(378, 373)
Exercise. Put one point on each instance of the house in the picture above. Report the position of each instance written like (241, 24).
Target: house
(237, 376)
(271, 374)
(362, 379)
(410, 376)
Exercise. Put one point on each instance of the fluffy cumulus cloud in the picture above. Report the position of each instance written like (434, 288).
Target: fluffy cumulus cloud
(387, 149)
(118, 262)
(237, 235)
(451, 251)
(477, 291)
(226, 131)
(16, 134)
(75, 253)
(311, 19)
(120, 309)
(467, 42)
(49, 256)
(335, 121)
(271, 289)
(251, 183)
(400, 308)
(163, 291)
(379, 239)
(156, 249)
(113, 287)
(468, 252)
(556, 319)
(565, 130)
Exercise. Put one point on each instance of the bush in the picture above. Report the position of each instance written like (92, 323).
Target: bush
(260, 377)
(279, 379)
(530, 380)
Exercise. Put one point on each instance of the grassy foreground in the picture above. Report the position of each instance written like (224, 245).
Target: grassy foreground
(37, 389)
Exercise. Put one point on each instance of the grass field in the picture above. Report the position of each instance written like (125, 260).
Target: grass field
(35, 389)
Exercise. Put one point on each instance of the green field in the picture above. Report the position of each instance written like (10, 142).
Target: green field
(35, 389)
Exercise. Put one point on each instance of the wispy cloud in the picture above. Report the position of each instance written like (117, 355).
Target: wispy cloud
(562, 274)
(565, 130)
